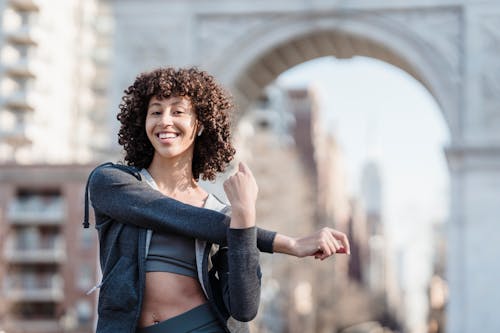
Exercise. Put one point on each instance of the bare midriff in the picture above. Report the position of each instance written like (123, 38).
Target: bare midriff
(168, 295)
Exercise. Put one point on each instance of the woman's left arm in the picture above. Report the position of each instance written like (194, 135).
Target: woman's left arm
(320, 244)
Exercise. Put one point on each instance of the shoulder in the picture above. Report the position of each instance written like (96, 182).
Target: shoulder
(112, 173)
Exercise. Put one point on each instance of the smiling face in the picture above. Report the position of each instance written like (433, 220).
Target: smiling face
(171, 126)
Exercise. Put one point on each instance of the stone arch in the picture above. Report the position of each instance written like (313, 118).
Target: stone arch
(250, 64)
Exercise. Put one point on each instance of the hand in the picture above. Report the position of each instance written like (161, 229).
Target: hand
(241, 190)
(321, 244)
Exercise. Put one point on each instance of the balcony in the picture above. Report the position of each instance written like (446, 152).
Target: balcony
(22, 99)
(32, 325)
(25, 35)
(34, 251)
(35, 256)
(22, 68)
(37, 211)
(50, 294)
(16, 135)
(25, 5)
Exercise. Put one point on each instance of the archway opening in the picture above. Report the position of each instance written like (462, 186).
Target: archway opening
(375, 144)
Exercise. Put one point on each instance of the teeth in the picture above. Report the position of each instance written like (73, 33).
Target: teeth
(167, 135)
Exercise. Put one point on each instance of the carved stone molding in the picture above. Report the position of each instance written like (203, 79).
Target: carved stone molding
(463, 157)
(147, 49)
(218, 32)
(437, 29)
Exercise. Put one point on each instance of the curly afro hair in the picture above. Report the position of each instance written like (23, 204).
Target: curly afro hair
(213, 149)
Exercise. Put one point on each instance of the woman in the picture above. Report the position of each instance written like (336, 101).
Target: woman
(172, 258)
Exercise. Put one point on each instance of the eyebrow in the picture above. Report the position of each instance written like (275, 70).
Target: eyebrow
(179, 103)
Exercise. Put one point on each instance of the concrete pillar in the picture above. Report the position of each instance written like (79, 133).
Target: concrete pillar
(473, 241)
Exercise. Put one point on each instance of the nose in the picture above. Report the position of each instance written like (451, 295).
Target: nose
(166, 119)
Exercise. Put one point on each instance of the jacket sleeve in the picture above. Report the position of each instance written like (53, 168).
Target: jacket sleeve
(242, 292)
(119, 195)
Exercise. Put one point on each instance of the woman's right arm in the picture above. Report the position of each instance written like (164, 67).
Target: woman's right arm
(242, 296)
(119, 195)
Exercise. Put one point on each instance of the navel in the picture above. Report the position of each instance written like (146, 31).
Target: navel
(155, 318)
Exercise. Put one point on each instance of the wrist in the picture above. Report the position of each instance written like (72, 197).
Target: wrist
(242, 219)
(285, 244)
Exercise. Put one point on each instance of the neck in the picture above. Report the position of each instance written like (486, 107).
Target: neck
(172, 175)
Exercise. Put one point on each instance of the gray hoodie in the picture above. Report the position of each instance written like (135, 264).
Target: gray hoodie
(126, 207)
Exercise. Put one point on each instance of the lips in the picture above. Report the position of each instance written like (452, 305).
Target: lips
(167, 135)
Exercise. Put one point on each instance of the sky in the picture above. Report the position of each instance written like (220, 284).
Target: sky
(378, 111)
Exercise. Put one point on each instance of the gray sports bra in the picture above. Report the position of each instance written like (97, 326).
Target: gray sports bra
(171, 252)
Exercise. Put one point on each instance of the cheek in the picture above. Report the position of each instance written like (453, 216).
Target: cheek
(188, 126)
(149, 132)
(148, 126)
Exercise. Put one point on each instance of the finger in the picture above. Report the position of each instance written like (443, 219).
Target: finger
(227, 190)
(325, 249)
(242, 167)
(320, 255)
(345, 242)
(329, 240)
(342, 238)
(332, 243)
(227, 186)
(336, 243)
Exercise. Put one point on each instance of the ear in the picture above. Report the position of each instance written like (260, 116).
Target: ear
(200, 130)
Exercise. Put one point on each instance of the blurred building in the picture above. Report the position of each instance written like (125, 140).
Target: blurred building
(371, 195)
(54, 63)
(323, 161)
(438, 286)
(302, 183)
(286, 203)
(53, 77)
(47, 260)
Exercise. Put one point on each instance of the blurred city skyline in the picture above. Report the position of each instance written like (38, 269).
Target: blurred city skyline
(400, 126)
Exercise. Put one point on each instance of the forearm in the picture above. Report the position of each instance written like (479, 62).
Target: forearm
(265, 240)
(283, 244)
(243, 295)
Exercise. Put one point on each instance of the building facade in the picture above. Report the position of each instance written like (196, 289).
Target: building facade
(53, 80)
(48, 261)
(54, 73)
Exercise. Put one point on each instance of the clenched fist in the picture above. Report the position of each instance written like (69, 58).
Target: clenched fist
(241, 190)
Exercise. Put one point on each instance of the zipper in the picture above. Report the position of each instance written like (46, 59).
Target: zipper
(142, 275)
